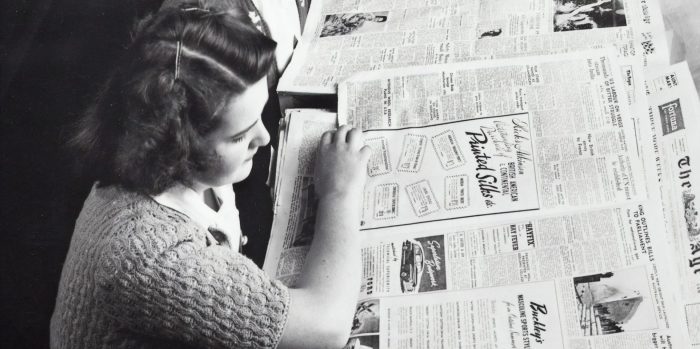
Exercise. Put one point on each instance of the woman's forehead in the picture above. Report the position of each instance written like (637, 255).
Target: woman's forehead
(244, 109)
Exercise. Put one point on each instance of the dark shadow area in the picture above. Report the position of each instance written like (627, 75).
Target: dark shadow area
(55, 55)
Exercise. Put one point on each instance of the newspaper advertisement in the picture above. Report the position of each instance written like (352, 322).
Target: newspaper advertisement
(344, 37)
(468, 286)
(459, 169)
(674, 113)
(522, 317)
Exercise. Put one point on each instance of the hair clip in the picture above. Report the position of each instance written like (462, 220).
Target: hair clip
(190, 9)
(254, 17)
(177, 58)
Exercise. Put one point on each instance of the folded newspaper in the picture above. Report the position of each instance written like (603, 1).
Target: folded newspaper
(342, 37)
(517, 203)
(674, 115)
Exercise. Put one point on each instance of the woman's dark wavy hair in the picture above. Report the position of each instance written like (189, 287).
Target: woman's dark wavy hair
(146, 129)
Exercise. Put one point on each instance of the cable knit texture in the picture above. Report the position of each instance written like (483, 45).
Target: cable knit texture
(141, 275)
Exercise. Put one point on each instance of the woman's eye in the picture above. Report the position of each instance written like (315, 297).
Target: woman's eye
(238, 139)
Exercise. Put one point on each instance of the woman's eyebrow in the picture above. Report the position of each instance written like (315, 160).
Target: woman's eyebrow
(246, 129)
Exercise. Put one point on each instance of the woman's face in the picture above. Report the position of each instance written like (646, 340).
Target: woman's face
(238, 137)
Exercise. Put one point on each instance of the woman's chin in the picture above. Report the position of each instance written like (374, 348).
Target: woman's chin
(221, 179)
(243, 172)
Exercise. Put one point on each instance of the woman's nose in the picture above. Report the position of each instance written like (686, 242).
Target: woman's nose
(262, 137)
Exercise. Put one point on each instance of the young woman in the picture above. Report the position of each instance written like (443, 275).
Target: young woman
(153, 261)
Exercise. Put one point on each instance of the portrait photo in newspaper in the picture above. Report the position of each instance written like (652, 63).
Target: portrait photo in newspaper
(588, 14)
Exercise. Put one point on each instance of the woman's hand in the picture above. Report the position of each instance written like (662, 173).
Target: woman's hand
(324, 300)
(341, 163)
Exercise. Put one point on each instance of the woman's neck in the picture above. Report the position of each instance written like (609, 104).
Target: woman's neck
(184, 193)
(196, 187)
(205, 194)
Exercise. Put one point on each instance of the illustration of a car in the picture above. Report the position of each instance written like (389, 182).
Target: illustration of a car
(412, 260)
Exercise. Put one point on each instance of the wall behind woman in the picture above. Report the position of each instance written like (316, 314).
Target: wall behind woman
(55, 54)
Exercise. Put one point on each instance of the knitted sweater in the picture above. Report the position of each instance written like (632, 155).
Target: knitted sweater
(141, 275)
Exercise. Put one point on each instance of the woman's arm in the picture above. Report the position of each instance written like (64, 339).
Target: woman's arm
(322, 307)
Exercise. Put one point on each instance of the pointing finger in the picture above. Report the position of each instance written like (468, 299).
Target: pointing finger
(341, 134)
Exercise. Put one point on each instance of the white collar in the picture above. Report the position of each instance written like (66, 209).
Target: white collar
(190, 203)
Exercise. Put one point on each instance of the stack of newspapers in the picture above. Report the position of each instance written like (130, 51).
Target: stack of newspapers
(531, 183)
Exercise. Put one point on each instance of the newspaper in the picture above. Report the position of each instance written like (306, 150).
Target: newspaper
(577, 261)
(588, 279)
(485, 281)
(542, 132)
(558, 92)
(674, 112)
(342, 37)
(294, 201)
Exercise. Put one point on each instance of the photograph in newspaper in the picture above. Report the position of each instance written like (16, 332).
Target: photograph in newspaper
(422, 265)
(691, 215)
(614, 302)
(354, 23)
(366, 318)
(588, 14)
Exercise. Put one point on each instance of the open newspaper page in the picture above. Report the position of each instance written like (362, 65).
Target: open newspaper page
(343, 37)
(491, 137)
(587, 278)
(674, 112)
(593, 278)
(587, 271)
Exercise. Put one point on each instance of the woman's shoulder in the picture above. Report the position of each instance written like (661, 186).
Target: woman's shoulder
(124, 233)
(117, 204)
(127, 224)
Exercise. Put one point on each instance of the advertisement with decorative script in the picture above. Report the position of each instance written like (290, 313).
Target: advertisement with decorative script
(459, 169)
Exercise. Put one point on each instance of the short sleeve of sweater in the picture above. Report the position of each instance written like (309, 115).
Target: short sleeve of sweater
(168, 284)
